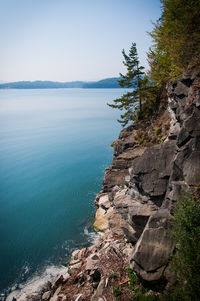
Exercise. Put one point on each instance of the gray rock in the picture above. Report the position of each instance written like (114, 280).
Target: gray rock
(178, 166)
(192, 123)
(114, 177)
(191, 168)
(104, 201)
(151, 171)
(144, 184)
(74, 268)
(58, 281)
(181, 90)
(92, 262)
(154, 247)
(183, 137)
(197, 101)
(46, 295)
(99, 292)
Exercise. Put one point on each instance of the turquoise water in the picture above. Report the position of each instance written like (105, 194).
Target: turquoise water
(54, 147)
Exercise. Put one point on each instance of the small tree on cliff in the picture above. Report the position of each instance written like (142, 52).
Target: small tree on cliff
(134, 78)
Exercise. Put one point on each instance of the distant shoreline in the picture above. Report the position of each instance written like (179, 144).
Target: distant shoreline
(104, 83)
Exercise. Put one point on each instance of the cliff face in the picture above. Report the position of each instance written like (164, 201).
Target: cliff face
(139, 192)
(164, 173)
(157, 177)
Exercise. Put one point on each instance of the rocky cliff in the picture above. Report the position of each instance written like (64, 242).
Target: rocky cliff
(153, 165)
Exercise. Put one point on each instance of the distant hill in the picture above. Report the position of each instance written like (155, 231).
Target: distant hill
(104, 83)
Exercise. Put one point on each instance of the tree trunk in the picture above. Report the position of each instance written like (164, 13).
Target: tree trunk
(139, 94)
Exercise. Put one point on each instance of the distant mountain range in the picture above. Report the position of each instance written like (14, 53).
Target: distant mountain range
(104, 83)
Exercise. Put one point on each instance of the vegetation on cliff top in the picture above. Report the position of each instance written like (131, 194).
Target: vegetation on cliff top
(176, 46)
(176, 40)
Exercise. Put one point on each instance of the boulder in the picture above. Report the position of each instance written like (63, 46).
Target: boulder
(104, 202)
(92, 262)
(99, 292)
(151, 171)
(153, 249)
(101, 219)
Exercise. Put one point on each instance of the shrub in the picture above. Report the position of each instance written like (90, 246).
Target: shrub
(116, 292)
(186, 234)
(133, 279)
(142, 297)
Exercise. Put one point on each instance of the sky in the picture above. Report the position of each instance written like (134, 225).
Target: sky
(69, 40)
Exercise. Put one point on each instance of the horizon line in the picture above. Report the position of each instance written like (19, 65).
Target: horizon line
(56, 81)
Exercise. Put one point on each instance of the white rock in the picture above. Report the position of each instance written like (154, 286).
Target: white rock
(104, 201)
(92, 262)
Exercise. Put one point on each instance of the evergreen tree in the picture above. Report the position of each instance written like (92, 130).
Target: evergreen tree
(134, 78)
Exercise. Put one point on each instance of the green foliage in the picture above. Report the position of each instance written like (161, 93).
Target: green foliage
(162, 139)
(140, 292)
(158, 130)
(142, 297)
(176, 39)
(116, 291)
(141, 137)
(133, 279)
(130, 102)
(186, 233)
(175, 294)
(127, 103)
(151, 100)
(176, 46)
(113, 275)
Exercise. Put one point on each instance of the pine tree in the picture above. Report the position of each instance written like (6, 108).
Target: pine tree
(131, 102)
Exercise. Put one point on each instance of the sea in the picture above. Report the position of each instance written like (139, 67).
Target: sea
(54, 148)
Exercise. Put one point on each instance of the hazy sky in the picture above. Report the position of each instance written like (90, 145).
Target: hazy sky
(66, 40)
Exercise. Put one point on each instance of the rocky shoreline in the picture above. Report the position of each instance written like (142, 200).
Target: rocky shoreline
(139, 192)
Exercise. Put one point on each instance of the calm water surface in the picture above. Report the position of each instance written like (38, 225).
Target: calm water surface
(54, 147)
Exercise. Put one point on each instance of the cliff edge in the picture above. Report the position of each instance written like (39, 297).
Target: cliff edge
(153, 165)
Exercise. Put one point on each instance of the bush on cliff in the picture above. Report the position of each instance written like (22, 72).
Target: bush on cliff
(186, 234)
